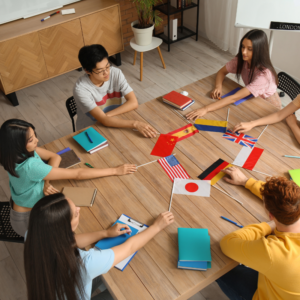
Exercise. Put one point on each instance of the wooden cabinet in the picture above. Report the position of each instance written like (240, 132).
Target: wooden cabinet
(104, 28)
(60, 46)
(21, 62)
(32, 51)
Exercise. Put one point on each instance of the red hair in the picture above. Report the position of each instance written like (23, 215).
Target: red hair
(282, 199)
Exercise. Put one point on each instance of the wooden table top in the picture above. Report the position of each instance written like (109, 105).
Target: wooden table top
(153, 273)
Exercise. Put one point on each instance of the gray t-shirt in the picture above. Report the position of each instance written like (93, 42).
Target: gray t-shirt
(107, 97)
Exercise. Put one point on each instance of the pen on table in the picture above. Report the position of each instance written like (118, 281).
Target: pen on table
(50, 16)
(235, 223)
(291, 156)
(89, 165)
(89, 137)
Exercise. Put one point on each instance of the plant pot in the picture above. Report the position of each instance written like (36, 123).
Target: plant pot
(143, 36)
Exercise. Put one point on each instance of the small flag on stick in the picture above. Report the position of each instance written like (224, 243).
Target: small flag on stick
(164, 145)
(211, 125)
(213, 173)
(192, 187)
(184, 132)
(247, 157)
(173, 168)
(240, 138)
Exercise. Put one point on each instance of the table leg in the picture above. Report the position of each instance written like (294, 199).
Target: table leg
(12, 97)
(141, 75)
(134, 59)
(161, 58)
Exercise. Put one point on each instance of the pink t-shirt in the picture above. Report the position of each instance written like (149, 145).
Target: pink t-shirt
(263, 83)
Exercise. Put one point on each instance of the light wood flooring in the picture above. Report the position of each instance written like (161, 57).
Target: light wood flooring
(44, 106)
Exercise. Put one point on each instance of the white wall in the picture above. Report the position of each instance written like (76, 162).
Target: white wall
(286, 48)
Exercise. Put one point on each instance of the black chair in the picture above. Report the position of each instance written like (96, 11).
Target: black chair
(7, 234)
(289, 85)
(72, 109)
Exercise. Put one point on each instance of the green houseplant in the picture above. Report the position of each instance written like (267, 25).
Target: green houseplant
(147, 19)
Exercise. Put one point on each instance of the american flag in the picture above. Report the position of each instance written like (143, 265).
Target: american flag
(240, 138)
(173, 168)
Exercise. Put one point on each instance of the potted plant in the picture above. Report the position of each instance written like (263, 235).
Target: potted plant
(147, 19)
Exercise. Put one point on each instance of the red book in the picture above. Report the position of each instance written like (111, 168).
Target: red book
(177, 100)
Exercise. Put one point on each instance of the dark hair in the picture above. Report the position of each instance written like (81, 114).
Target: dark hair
(282, 199)
(13, 141)
(89, 56)
(260, 55)
(52, 261)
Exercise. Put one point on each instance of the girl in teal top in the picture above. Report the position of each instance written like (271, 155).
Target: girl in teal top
(29, 176)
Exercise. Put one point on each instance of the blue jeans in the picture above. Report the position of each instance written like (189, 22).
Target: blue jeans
(239, 284)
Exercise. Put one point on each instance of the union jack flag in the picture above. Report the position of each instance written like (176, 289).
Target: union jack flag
(240, 138)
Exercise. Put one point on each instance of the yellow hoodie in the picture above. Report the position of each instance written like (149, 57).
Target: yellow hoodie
(275, 256)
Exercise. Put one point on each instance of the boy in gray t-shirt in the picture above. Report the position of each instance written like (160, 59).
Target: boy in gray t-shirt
(98, 93)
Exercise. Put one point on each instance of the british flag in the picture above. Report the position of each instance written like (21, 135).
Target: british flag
(240, 138)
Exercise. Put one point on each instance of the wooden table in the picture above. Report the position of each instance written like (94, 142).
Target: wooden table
(153, 274)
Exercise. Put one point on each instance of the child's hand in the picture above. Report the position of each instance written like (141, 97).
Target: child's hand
(125, 169)
(163, 220)
(243, 127)
(198, 113)
(117, 230)
(216, 93)
(49, 189)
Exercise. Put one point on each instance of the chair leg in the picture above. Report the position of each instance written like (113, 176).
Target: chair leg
(134, 59)
(141, 75)
(161, 58)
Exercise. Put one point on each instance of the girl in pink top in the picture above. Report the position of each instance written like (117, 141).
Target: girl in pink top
(253, 64)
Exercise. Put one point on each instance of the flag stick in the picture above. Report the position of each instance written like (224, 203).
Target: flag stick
(254, 171)
(228, 114)
(262, 132)
(228, 195)
(150, 162)
(178, 113)
(171, 195)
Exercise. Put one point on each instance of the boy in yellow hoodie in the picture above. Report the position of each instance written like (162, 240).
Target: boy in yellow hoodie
(271, 251)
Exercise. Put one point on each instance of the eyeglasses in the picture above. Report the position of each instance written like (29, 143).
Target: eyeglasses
(104, 70)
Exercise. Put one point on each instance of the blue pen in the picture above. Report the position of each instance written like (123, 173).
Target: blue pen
(89, 137)
(235, 223)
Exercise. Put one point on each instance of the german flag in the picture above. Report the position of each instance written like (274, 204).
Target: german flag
(184, 132)
(213, 172)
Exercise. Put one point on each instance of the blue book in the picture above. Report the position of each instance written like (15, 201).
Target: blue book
(108, 243)
(184, 108)
(89, 139)
(238, 101)
(194, 249)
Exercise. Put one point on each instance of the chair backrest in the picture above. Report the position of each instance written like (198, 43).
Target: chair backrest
(72, 109)
(289, 85)
(7, 233)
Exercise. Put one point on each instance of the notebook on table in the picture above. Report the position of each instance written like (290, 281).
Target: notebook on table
(194, 249)
(108, 243)
(68, 158)
(178, 100)
(81, 196)
(295, 175)
(90, 139)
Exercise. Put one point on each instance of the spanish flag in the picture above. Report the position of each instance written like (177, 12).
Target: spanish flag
(213, 172)
(211, 125)
(184, 132)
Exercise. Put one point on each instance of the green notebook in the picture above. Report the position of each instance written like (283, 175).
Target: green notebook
(83, 140)
(295, 174)
(194, 245)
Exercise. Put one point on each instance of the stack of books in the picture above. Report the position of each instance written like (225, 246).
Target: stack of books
(178, 100)
(194, 249)
(91, 140)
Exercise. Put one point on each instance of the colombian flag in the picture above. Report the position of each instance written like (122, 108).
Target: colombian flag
(184, 132)
(213, 172)
(211, 125)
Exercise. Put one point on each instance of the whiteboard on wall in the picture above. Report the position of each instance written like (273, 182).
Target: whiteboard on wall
(260, 13)
(11, 10)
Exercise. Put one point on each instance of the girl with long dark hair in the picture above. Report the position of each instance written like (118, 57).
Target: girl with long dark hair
(29, 176)
(253, 64)
(55, 267)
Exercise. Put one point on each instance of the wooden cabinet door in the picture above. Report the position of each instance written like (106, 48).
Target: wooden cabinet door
(104, 28)
(21, 62)
(61, 44)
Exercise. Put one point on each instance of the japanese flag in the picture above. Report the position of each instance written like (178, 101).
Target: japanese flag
(192, 187)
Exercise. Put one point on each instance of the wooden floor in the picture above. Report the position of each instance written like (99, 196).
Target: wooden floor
(44, 106)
